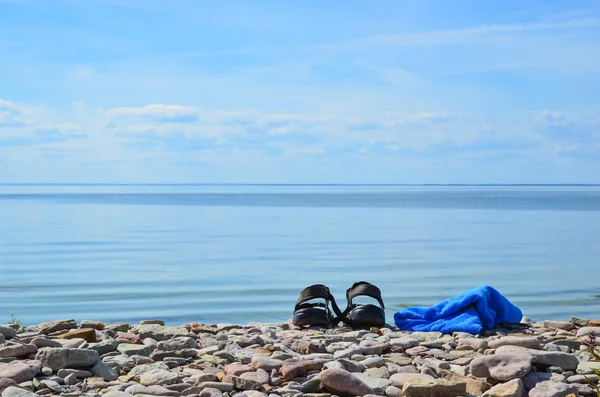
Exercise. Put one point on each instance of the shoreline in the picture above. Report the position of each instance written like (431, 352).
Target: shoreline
(94, 359)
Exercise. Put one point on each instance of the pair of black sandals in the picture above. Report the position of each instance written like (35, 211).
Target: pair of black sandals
(355, 315)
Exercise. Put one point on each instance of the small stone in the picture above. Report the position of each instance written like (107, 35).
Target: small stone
(159, 332)
(103, 347)
(127, 337)
(405, 342)
(6, 382)
(71, 379)
(400, 379)
(179, 343)
(393, 391)
(558, 359)
(587, 367)
(150, 322)
(594, 323)
(133, 349)
(211, 392)
(578, 321)
(343, 382)
(158, 377)
(552, 389)
(584, 331)
(564, 325)
(307, 347)
(116, 393)
(99, 325)
(101, 370)
(512, 388)
(224, 387)
(472, 343)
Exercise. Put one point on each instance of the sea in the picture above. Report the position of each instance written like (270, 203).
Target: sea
(231, 253)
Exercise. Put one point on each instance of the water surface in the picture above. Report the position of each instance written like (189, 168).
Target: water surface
(240, 253)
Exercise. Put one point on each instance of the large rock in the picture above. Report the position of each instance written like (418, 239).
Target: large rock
(585, 331)
(437, 388)
(20, 371)
(566, 361)
(58, 325)
(552, 389)
(44, 342)
(344, 383)
(17, 392)
(57, 358)
(101, 370)
(527, 342)
(7, 332)
(308, 347)
(512, 388)
(159, 332)
(502, 367)
(18, 350)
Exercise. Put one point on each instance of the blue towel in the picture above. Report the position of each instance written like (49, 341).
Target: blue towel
(472, 311)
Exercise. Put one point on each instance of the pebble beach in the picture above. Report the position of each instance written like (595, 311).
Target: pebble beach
(94, 359)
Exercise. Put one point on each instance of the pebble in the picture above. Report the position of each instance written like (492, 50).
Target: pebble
(343, 382)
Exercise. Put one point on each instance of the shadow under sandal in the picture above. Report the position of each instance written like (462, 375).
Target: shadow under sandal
(364, 315)
(315, 314)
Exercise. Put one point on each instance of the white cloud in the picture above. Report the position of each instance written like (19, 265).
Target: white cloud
(13, 115)
(157, 112)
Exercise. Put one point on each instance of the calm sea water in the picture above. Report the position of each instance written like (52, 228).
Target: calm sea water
(243, 253)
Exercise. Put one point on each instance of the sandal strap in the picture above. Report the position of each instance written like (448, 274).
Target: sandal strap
(316, 291)
(363, 288)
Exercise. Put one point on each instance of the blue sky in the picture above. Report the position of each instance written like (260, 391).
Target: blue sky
(300, 92)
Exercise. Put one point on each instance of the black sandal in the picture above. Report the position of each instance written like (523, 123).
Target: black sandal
(363, 315)
(315, 314)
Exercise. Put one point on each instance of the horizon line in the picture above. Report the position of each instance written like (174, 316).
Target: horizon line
(283, 184)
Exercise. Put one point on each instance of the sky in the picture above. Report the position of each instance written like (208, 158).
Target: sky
(126, 91)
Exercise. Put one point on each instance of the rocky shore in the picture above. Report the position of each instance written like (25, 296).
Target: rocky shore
(259, 360)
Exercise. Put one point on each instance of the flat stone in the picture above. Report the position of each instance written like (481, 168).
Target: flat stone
(120, 363)
(585, 331)
(437, 388)
(405, 342)
(7, 332)
(150, 322)
(18, 350)
(528, 342)
(44, 342)
(260, 376)
(89, 334)
(99, 325)
(400, 379)
(178, 343)
(20, 371)
(158, 377)
(587, 367)
(159, 332)
(533, 378)
(57, 358)
(13, 391)
(343, 382)
(393, 391)
(472, 343)
(564, 325)
(224, 387)
(552, 389)
(559, 359)
(503, 367)
(582, 378)
(116, 393)
(58, 325)
(74, 343)
(104, 346)
(133, 349)
(578, 321)
(307, 347)
(139, 370)
(128, 337)
(512, 388)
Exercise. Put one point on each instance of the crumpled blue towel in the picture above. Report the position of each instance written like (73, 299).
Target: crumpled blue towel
(472, 311)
